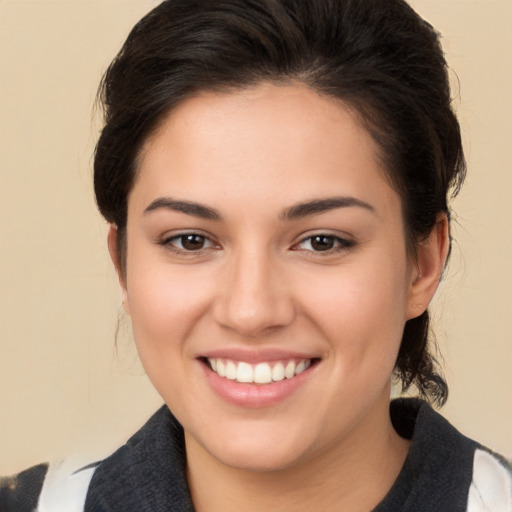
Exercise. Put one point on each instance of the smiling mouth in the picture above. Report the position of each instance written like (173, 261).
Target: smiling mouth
(261, 373)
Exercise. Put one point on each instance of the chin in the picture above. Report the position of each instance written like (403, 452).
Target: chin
(259, 458)
(264, 445)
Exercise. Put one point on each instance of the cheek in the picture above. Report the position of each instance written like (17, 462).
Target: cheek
(166, 303)
(166, 309)
(362, 307)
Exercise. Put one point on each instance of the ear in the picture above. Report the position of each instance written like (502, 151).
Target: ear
(428, 267)
(115, 257)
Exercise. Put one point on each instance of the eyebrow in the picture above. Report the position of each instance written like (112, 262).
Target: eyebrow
(297, 211)
(187, 207)
(317, 206)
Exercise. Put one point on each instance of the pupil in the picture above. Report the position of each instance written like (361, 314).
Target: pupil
(192, 242)
(322, 243)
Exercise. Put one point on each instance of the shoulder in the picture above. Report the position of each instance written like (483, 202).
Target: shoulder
(60, 487)
(491, 485)
(446, 469)
(20, 493)
(65, 487)
(147, 473)
(73, 485)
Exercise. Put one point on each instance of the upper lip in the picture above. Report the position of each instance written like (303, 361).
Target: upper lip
(255, 356)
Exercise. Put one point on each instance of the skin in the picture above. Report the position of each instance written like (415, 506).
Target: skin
(258, 284)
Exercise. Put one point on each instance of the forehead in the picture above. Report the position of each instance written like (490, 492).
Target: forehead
(267, 143)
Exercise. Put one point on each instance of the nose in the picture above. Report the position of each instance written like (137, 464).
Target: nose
(253, 299)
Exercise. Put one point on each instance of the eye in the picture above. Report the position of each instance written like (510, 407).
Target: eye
(188, 242)
(324, 243)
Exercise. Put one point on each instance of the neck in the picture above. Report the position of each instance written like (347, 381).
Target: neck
(355, 476)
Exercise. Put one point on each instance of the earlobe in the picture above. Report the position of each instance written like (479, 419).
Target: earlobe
(429, 265)
(115, 257)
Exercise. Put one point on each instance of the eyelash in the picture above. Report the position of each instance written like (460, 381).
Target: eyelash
(170, 243)
(338, 244)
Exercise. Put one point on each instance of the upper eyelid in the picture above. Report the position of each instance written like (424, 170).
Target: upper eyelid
(166, 241)
(179, 233)
(344, 238)
(341, 239)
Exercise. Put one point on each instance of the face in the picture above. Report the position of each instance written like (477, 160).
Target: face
(267, 276)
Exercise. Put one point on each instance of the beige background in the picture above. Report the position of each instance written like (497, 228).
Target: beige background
(62, 388)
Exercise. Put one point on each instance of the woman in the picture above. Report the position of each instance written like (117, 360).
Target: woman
(275, 175)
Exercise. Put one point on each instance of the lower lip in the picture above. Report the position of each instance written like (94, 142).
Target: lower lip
(255, 395)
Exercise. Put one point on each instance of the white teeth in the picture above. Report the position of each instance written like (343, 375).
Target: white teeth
(300, 367)
(244, 373)
(221, 369)
(262, 373)
(230, 370)
(289, 371)
(278, 372)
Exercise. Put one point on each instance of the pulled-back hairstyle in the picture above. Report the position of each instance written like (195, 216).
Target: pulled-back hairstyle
(377, 56)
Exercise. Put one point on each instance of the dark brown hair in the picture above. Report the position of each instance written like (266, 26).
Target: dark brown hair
(377, 56)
